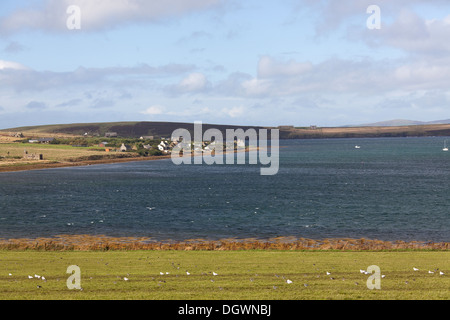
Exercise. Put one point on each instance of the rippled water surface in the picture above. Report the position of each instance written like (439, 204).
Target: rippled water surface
(389, 189)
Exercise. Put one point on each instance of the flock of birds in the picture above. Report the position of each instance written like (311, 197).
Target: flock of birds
(288, 281)
(429, 271)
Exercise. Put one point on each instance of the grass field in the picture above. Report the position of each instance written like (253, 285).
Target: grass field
(50, 152)
(11, 155)
(224, 275)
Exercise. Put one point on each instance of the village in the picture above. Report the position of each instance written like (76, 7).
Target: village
(20, 148)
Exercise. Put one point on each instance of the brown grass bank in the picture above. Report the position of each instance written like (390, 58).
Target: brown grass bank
(105, 243)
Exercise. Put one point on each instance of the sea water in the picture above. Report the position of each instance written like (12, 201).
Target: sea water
(389, 189)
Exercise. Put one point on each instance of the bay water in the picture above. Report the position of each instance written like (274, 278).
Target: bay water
(388, 189)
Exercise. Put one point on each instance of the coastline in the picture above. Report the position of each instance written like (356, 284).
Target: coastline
(40, 166)
(86, 242)
(81, 163)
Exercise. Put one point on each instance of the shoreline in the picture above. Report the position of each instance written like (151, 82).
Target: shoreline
(82, 163)
(86, 242)
(41, 166)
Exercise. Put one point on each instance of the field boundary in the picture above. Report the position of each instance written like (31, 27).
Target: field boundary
(106, 243)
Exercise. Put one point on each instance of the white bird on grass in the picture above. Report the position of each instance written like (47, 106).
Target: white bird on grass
(214, 274)
(288, 281)
(328, 273)
(125, 278)
(441, 273)
(30, 277)
(430, 271)
(415, 269)
(187, 272)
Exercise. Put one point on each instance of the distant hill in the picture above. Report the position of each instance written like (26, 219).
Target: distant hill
(402, 122)
(165, 129)
(123, 129)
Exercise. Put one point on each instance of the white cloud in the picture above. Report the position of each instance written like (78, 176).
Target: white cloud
(193, 82)
(416, 35)
(234, 112)
(269, 67)
(154, 110)
(332, 14)
(5, 65)
(51, 15)
(21, 78)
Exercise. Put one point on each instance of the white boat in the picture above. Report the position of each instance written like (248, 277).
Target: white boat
(357, 147)
(445, 146)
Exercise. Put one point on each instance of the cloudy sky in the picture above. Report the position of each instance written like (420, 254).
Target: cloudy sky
(252, 62)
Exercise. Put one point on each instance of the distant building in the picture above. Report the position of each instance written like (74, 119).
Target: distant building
(313, 127)
(111, 135)
(17, 135)
(147, 138)
(164, 146)
(46, 140)
(124, 147)
(32, 156)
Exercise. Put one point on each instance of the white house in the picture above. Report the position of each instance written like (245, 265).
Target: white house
(164, 146)
(124, 147)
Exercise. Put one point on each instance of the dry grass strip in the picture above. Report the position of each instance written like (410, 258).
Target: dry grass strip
(105, 243)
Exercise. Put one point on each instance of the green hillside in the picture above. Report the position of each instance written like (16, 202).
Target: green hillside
(123, 129)
(165, 129)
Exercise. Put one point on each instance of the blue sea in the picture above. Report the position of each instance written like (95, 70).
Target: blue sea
(389, 189)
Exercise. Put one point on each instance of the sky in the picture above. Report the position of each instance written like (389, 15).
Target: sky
(252, 62)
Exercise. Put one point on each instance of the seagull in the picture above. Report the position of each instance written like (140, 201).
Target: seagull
(288, 281)
(214, 274)
(10, 274)
(161, 273)
(441, 273)
(43, 278)
(415, 269)
(187, 273)
(362, 271)
(37, 276)
(430, 271)
(383, 276)
(30, 277)
(125, 278)
(328, 273)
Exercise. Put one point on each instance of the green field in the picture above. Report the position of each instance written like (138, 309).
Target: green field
(255, 275)
(50, 152)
